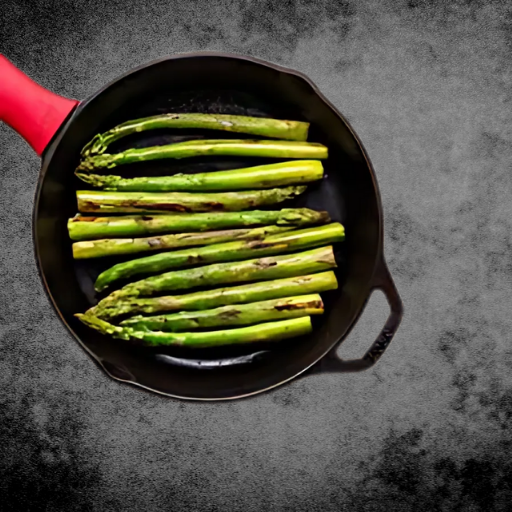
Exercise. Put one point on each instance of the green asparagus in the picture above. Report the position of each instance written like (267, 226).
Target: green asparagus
(264, 127)
(260, 177)
(122, 246)
(266, 332)
(207, 299)
(261, 269)
(192, 148)
(154, 202)
(90, 228)
(231, 251)
(239, 314)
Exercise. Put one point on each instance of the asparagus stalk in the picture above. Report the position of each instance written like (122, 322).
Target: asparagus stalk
(207, 299)
(259, 177)
(239, 314)
(123, 246)
(192, 148)
(271, 331)
(261, 269)
(90, 228)
(264, 127)
(138, 202)
(230, 251)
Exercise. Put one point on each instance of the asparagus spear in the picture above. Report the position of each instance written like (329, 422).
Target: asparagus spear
(191, 148)
(239, 314)
(261, 269)
(230, 251)
(265, 127)
(259, 177)
(271, 331)
(128, 202)
(207, 299)
(121, 246)
(90, 228)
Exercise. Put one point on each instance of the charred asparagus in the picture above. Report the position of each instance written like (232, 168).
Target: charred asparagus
(262, 269)
(207, 299)
(230, 251)
(165, 202)
(239, 314)
(122, 246)
(90, 228)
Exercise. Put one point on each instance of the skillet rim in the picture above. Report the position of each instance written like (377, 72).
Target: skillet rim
(50, 149)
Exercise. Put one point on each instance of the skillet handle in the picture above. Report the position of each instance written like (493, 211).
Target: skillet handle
(31, 110)
(384, 282)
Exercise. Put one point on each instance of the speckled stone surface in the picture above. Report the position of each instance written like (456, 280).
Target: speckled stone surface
(427, 86)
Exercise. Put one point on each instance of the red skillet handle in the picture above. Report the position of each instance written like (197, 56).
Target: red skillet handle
(382, 281)
(31, 110)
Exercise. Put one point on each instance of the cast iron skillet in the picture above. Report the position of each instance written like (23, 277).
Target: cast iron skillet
(58, 128)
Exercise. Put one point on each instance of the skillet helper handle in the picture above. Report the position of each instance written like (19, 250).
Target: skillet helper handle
(384, 282)
(31, 110)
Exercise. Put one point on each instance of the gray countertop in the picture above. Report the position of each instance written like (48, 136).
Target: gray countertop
(427, 86)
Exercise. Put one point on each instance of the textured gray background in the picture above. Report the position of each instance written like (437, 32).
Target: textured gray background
(427, 85)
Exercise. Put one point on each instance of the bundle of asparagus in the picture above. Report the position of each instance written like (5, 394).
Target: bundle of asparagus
(221, 237)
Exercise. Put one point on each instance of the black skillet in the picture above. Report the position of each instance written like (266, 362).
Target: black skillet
(58, 128)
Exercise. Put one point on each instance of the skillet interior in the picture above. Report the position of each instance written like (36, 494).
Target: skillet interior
(214, 84)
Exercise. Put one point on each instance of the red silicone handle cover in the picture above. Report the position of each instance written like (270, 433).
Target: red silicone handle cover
(33, 111)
